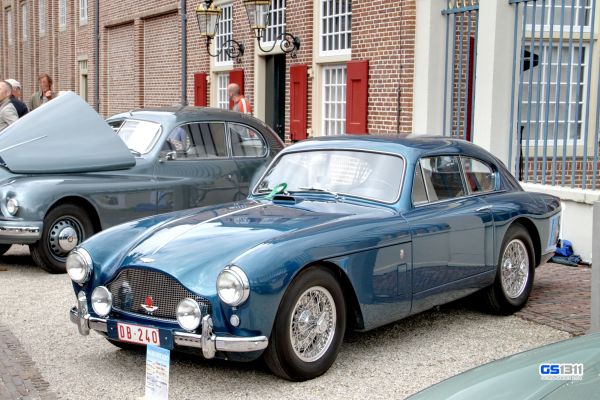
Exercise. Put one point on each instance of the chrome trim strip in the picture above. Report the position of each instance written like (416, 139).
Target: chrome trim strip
(22, 232)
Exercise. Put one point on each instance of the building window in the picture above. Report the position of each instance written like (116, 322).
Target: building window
(24, 18)
(545, 106)
(334, 100)
(277, 21)
(83, 79)
(224, 34)
(336, 26)
(42, 16)
(62, 14)
(9, 25)
(222, 96)
(83, 11)
(579, 10)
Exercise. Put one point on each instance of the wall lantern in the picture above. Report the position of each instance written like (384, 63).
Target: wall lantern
(208, 16)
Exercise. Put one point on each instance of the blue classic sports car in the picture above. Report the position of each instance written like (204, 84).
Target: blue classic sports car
(339, 233)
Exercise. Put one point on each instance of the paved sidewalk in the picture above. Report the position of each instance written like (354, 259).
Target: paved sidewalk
(561, 298)
(19, 377)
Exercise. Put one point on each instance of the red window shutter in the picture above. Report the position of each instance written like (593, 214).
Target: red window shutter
(298, 101)
(200, 90)
(236, 76)
(357, 98)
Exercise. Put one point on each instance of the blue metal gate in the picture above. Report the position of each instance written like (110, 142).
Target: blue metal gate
(462, 23)
(553, 132)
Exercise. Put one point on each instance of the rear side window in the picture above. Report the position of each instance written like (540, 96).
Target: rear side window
(246, 142)
(442, 177)
(479, 176)
(198, 141)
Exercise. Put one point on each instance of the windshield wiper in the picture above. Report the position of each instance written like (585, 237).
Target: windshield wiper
(314, 189)
(135, 153)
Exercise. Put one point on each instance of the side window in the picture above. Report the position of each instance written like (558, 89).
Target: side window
(479, 176)
(246, 142)
(442, 177)
(419, 194)
(197, 141)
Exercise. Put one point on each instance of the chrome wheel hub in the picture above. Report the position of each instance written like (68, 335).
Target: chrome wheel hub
(67, 239)
(64, 235)
(514, 269)
(313, 324)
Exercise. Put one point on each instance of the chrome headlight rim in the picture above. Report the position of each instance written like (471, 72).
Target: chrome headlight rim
(102, 292)
(12, 205)
(193, 309)
(86, 263)
(243, 282)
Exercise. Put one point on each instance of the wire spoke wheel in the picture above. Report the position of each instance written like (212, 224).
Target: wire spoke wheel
(313, 324)
(514, 272)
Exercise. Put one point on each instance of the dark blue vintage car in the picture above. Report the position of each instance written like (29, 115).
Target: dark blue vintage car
(339, 233)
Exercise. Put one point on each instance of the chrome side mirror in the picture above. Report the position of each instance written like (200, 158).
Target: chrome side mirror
(171, 155)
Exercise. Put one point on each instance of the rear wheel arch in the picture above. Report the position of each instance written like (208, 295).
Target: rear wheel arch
(533, 234)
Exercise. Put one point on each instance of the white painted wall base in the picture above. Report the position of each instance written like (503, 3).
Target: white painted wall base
(577, 215)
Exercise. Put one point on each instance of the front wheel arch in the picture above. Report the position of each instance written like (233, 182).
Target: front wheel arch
(82, 202)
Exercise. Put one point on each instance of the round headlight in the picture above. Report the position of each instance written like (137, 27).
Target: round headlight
(232, 286)
(12, 206)
(101, 301)
(79, 266)
(188, 314)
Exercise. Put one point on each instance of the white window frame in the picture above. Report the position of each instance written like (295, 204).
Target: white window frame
(222, 98)
(333, 124)
(343, 35)
(224, 33)
(9, 25)
(62, 14)
(42, 17)
(277, 23)
(557, 15)
(24, 21)
(83, 12)
(552, 104)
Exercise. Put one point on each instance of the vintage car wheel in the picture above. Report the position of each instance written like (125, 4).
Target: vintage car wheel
(65, 227)
(514, 277)
(309, 327)
(4, 248)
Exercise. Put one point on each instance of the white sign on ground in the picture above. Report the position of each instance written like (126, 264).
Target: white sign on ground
(157, 373)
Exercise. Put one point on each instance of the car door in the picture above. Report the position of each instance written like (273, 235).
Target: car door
(449, 229)
(195, 168)
(250, 151)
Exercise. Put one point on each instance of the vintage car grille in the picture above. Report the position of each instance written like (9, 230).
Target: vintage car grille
(132, 286)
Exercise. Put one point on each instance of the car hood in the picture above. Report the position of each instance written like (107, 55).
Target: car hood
(195, 247)
(64, 135)
(517, 377)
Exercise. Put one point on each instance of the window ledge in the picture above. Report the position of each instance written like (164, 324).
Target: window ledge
(584, 196)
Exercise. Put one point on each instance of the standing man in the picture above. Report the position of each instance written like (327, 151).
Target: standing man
(44, 95)
(240, 104)
(17, 97)
(8, 113)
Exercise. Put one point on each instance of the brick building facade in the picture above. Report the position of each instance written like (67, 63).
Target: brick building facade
(368, 43)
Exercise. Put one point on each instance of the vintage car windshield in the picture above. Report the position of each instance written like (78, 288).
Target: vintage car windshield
(363, 174)
(138, 135)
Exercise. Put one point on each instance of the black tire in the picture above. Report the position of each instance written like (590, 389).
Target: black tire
(496, 298)
(126, 346)
(280, 356)
(4, 248)
(46, 253)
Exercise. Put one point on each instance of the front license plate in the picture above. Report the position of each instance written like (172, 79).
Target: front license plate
(138, 334)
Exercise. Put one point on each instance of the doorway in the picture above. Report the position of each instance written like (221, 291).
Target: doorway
(275, 93)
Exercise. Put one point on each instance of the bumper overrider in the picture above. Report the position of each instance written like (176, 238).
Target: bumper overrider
(208, 342)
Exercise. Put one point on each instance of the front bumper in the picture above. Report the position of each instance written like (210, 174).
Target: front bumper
(20, 232)
(208, 342)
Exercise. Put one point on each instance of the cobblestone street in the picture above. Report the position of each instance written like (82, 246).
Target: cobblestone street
(49, 360)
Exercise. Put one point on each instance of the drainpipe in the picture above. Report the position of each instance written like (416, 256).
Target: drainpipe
(183, 11)
(97, 56)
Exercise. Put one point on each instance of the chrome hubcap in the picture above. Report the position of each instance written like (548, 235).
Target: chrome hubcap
(514, 271)
(64, 236)
(313, 324)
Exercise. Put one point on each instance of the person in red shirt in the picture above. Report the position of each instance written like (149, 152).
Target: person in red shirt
(240, 103)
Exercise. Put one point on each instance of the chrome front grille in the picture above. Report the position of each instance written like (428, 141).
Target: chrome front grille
(132, 288)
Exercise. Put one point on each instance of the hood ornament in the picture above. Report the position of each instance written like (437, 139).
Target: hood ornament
(148, 305)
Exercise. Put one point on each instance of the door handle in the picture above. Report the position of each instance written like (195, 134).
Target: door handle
(484, 208)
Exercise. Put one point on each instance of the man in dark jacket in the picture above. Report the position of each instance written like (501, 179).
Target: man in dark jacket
(16, 97)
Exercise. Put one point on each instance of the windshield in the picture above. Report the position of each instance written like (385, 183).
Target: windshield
(355, 173)
(139, 136)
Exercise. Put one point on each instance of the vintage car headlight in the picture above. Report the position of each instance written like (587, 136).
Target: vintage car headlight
(102, 301)
(189, 314)
(12, 206)
(232, 286)
(79, 266)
